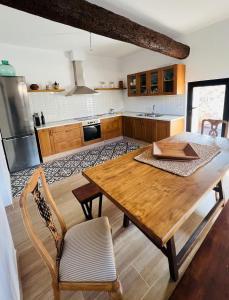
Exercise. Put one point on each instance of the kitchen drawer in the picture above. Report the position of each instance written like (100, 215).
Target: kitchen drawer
(66, 127)
(67, 145)
(67, 134)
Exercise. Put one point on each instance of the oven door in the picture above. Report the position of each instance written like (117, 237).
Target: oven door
(92, 132)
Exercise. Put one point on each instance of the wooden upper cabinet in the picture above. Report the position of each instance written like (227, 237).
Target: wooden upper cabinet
(154, 82)
(132, 85)
(163, 81)
(173, 80)
(143, 84)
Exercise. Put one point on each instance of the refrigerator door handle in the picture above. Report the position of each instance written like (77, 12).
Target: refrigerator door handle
(20, 137)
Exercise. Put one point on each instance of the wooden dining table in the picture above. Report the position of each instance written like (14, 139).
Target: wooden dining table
(159, 202)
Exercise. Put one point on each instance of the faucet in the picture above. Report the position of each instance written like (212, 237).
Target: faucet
(111, 111)
(153, 112)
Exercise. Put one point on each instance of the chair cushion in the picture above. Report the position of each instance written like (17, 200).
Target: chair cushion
(88, 253)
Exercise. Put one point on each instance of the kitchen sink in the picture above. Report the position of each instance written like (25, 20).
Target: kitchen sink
(151, 115)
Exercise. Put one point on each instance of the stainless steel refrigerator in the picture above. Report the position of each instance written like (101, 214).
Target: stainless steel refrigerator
(16, 124)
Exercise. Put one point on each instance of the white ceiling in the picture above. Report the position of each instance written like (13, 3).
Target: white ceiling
(174, 18)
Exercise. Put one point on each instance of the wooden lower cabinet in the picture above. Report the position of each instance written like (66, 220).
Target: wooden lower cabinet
(151, 130)
(111, 127)
(128, 126)
(59, 139)
(45, 142)
(68, 137)
(163, 130)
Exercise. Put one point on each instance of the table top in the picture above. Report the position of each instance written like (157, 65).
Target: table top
(159, 202)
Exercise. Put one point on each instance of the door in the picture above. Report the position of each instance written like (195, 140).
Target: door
(207, 100)
(15, 118)
(21, 153)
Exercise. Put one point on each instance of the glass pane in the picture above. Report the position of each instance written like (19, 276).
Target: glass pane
(154, 83)
(168, 78)
(208, 103)
(132, 85)
(143, 89)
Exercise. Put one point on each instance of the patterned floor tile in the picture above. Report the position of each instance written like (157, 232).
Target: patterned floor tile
(71, 164)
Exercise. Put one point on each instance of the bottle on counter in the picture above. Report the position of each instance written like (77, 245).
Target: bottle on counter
(42, 118)
(36, 118)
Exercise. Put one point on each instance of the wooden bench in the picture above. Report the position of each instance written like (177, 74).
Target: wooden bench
(207, 277)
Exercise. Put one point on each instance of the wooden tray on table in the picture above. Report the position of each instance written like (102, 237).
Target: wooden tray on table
(174, 151)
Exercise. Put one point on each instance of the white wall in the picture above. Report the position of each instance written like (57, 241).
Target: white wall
(5, 184)
(9, 283)
(208, 59)
(43, 67)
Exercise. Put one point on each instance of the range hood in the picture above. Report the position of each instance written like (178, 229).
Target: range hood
(79, 88)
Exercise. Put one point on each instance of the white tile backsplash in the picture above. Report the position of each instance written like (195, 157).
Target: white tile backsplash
(175, 105)
(59, 107)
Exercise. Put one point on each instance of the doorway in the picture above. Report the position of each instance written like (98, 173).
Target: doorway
(207, 99)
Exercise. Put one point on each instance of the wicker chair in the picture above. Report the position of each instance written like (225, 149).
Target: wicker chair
(84, 252)
(214, 126)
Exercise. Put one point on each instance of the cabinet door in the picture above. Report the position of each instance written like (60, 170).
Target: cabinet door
(111, 127)
(143, 87)
(128, 126)
(66, 137)
(45, 142)
(163, 130)
(132, 85)
(150, 130)
(138, 129)
(168, 80)
(154, 82)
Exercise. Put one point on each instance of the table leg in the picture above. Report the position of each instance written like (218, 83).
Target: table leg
(172, 258)
(126, 221)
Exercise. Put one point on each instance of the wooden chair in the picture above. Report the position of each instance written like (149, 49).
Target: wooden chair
(84, 252)
(213, 132)
(214, 126)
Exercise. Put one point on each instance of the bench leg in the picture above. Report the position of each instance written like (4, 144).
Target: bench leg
(219, 195)
(87, 210)
(126, 221)
(171, 252)
(100, 205)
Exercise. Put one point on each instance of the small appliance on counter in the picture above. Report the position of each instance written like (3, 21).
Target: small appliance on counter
(36, 119)
(16, 125)
(42, 119)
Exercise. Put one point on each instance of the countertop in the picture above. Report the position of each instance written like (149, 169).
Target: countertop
(164, 117)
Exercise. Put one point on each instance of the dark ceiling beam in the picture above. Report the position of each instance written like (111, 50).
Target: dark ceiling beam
(84, 15)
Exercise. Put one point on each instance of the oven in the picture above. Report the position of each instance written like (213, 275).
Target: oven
(91, 130)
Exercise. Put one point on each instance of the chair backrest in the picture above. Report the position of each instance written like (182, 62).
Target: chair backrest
(32, 188)
(214, 126)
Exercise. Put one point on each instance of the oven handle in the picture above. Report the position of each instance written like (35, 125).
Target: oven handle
(91, 125)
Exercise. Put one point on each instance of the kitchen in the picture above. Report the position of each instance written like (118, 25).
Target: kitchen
(80, 102)
(66, 112)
